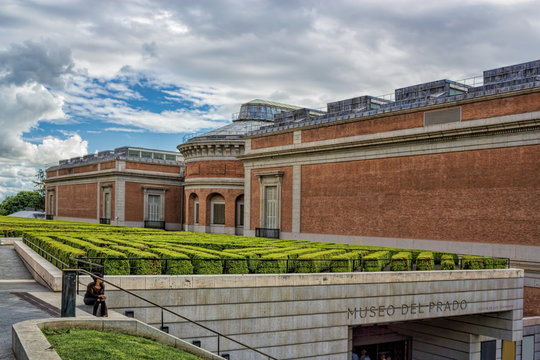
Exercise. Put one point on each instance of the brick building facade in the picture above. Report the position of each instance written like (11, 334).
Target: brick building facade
(127, 186)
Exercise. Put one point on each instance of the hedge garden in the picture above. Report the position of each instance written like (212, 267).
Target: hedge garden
(124, 251)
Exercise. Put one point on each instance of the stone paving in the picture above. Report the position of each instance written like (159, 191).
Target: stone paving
(15, 278)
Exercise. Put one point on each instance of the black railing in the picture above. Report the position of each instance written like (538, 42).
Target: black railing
(163, 309)
(49, 217)
(267, 233)
(105, 221)
(151, 224)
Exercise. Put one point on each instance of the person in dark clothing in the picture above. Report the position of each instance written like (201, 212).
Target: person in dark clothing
(95, 295)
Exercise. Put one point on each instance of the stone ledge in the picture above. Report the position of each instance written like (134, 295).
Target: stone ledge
(8, 241)
(43, 271)
(531, 321)
(29, 343)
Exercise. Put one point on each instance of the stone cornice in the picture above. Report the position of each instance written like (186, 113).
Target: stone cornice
(218, 150)
(483, 127)
(113, 172)
(214, 181)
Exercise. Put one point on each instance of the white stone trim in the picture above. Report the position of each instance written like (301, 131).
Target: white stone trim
(267, 179)
(247, 200)
(296, 197)
(399, 150)
(449, 128)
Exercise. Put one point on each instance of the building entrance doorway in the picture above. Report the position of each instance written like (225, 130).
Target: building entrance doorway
(380, 343)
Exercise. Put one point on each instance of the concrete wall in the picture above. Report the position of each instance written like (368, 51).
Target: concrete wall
(308, 316)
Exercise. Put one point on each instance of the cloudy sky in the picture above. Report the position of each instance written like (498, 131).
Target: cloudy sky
(78, 77)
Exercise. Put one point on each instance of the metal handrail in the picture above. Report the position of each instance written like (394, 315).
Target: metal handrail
(171, 312)
(43, 251)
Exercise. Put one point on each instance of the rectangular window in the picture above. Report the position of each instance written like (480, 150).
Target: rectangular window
(271, 207)
(107, 205)
(159, 156)
(146, 155)
(488, 350)
(240, 214)
(196, 212)
(133, 153)
(527, 348)
(170, 157)
(218, 213)
(154, 202)
(51, 204)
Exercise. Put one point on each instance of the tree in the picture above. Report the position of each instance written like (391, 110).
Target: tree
(40, 187)
(21, 201)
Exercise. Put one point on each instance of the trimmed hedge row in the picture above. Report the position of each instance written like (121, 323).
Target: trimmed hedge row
(425, 261)
(144, 251)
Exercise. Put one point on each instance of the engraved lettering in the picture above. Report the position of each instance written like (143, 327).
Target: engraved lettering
(447, 306)
(381, 311)
(463, 305)
(372, 311)
(439, 306)
(455, 305)
(413, 308)
(404, 309)
(431, 306)
(388, 310)
(420, 308)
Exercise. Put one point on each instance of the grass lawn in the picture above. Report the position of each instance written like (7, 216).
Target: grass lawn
(80, 344)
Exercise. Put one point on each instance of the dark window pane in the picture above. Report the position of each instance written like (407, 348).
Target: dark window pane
(219, 214)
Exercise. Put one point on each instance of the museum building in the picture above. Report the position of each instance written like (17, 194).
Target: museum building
(445, 165)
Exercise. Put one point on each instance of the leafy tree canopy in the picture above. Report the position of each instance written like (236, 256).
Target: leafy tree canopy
(21, 201)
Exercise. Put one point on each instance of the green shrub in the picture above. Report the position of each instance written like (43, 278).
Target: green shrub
(472, 262)
(272, 264)
(376, 261)
(401, 261)
(316, 262)
(347, 262)
(425, 261)
(177, 263)
(447, 262)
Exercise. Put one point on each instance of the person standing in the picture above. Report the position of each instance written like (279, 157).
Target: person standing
(355, 356)
(364, 355)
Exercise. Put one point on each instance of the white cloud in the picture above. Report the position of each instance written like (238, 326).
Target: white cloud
(26, 73)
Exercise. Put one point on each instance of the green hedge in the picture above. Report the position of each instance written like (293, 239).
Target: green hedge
(447, 262)
(316, 262)
(425, 261)
(348, 262)
(376, 261)
(401, 261)
(179, 265)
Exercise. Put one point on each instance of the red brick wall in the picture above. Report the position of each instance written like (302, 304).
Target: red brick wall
(489, 196)
(499, 107)
(153, 167)
(286, 199)
(272, 140)
(83, 169)
(51, 174)
(362, 127)
(531, 301)
(225, 168)
(134, 210)
(134, 201)
(79, 201)
(108, 165)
